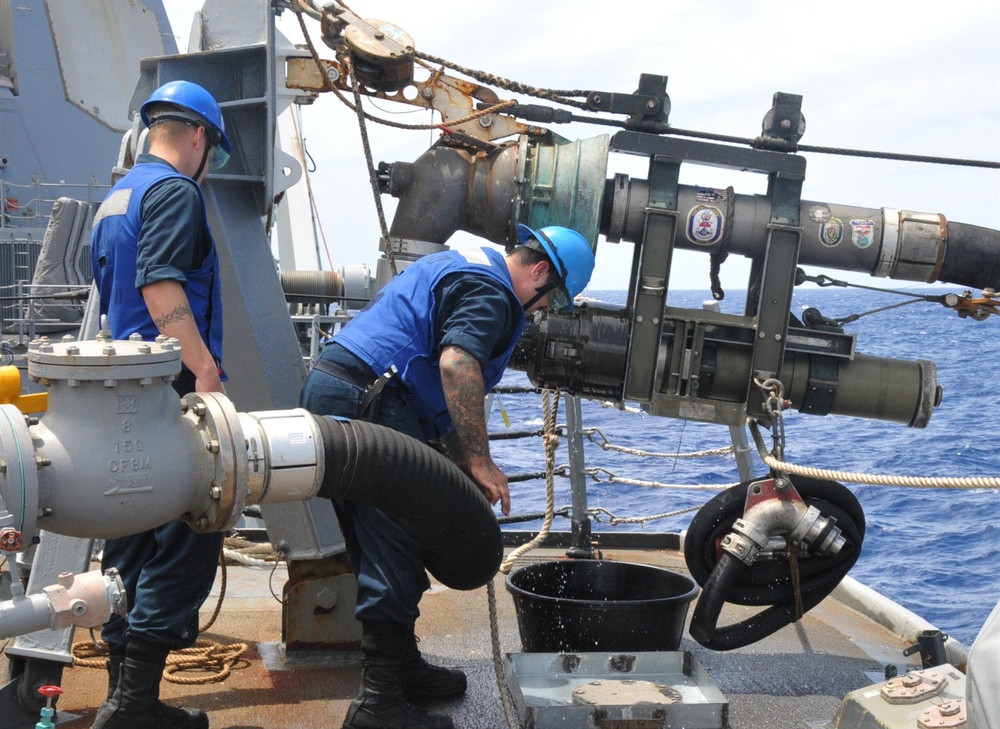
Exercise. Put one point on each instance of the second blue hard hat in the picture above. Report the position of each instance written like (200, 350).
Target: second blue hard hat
(569, 252)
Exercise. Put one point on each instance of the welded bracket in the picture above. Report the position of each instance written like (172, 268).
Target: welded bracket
(651, 264)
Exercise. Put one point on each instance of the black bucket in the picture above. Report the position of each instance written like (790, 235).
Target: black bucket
(579, 606)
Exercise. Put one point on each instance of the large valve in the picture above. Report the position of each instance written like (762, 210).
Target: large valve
(117, 453)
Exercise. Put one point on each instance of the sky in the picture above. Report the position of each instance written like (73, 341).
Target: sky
(878, 76)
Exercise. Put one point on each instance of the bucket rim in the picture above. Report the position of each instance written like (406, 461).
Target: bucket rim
(685, 597)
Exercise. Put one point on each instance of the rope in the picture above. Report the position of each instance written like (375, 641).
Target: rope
(513, 721)
(252, 554)
(212, 659)
(551, 440)
(824, 281)
(867, 478)
(845, 152)
(793, 565)
(372, 172)
(551, 406)
(559, 97)
(564, 97)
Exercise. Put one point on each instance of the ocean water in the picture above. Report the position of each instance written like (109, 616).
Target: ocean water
(934, 551)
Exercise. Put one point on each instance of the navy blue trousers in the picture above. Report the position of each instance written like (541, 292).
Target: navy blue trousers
(167, 572)
(387, 561)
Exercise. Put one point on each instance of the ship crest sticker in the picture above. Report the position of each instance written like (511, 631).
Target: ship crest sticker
(831, 232)
(862, 233)
(705, 225)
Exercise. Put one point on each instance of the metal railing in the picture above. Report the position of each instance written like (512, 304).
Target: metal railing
(30, 206)
(24, 307)
(25, 211)
(22, 304)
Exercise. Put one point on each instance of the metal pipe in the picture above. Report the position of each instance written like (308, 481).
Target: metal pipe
(564, 183)
(882, 242)
(584, 353)
(582, 546)
(84, 601)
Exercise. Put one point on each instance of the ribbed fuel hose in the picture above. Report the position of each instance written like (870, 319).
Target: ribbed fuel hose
(418, 487)
(724, 578)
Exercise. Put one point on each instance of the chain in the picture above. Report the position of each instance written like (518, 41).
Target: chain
(616, 520)
(508, 85)
(774, 403)
(608, 446)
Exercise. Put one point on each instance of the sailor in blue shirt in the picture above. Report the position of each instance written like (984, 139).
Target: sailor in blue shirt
(157, 272)
(431, 344)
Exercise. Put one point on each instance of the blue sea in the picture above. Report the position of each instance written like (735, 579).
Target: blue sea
(934, 551)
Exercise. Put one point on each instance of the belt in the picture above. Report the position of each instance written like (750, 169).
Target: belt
(372, 387)
(358, 379)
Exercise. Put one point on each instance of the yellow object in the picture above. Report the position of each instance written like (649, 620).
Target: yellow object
(503, 412)
(10, 392)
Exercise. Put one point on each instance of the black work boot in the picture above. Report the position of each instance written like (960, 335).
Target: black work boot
(116, 656)
(421, 680)
(380, 703)
(137, 700)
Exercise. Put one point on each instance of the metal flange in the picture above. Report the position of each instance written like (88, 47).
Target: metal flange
(215, 418)
(18, 476)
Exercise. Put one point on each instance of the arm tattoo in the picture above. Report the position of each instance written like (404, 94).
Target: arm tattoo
(179, 313)
(464, 393)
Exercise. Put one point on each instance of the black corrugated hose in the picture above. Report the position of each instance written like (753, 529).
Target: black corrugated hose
(420, 488)
(724, 578)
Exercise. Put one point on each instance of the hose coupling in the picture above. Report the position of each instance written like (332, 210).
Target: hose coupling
(775, 509)
(745, 541)
(819, 532)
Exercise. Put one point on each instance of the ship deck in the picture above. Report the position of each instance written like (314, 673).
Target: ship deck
(795, 678)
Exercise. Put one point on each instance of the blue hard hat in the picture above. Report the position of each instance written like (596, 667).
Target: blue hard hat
(188, 96)
(569, 252)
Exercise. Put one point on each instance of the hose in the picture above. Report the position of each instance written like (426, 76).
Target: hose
(420, 488)
(724, 578)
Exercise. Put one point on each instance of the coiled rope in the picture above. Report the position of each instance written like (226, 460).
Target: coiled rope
(210, 660)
